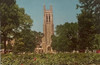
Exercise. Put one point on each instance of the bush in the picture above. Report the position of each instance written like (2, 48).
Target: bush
(51, 59)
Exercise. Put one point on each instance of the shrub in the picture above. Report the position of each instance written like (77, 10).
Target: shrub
(51, 59)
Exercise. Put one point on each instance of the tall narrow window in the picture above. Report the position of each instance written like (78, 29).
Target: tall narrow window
(49, 17)
(46, 18)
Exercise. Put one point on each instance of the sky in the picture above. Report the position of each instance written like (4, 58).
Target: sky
(63, 11)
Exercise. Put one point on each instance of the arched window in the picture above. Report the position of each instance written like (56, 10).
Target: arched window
(49, 48)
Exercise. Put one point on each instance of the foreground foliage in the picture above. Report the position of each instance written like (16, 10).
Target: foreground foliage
(51, 59)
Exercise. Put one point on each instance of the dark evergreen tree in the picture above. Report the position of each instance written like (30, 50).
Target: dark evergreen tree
(89, 22)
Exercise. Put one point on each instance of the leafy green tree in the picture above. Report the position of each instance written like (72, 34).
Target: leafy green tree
(97, 42)
(8, 22)
(66, 37)
(92, 6)
(38, 37)
(89, 22)
(29, 39)
(13, 20)
(19, 48)
(86, 30)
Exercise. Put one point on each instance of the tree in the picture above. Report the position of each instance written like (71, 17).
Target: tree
(10, 2)
(13, 20)
(6, 19)
(66, 37)
(86, 30)
(89, 22)
(29, 39)
(38, 37)
(92, 6)
(97, 42)
(19, 48)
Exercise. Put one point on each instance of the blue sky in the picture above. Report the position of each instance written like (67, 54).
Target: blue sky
(63, 11)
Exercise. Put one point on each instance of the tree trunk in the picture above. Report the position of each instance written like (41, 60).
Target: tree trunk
(5, 45)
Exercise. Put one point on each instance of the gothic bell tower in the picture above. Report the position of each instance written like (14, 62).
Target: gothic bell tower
(48, 30)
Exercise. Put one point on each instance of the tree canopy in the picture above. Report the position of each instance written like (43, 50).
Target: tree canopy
(13, 20)
(89, 22)
(66, 37)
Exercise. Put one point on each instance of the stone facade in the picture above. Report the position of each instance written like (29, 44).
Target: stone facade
(48, 31)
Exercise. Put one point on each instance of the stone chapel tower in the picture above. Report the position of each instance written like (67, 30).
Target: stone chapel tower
(48, 30)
